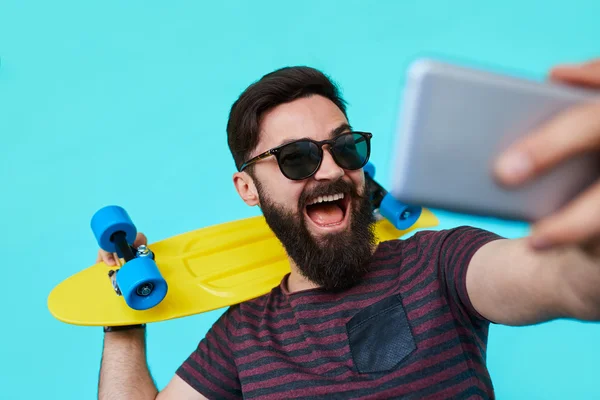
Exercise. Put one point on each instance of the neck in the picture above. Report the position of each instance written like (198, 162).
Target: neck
(296, 282)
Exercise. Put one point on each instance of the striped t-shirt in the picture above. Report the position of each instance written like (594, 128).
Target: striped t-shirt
(408, 330)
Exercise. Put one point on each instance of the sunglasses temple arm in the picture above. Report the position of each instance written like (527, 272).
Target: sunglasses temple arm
(257, 158)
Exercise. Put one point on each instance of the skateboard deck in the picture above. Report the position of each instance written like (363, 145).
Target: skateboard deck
(198, 271)
(206, 269)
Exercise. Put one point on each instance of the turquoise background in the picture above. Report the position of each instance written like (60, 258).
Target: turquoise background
(126, 102)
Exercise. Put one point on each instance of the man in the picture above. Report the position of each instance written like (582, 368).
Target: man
(403, 319)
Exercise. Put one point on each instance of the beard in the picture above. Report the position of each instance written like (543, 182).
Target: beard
(335, 261)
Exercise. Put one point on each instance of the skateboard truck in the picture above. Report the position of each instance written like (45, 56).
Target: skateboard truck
(378, 193)
(401, 215)
(139, 280)
(112, 274)
(128, 254)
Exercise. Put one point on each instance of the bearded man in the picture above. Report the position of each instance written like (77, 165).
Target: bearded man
(355, 318)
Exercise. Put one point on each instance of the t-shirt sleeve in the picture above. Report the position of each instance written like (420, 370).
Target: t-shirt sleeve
(451, 251)
(456, 249)
(211, 369)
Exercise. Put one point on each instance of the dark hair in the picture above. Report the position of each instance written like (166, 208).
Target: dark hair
(281, 86)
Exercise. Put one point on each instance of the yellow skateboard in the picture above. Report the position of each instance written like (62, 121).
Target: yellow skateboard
(193, 272)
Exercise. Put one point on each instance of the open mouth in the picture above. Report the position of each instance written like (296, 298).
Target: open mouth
(328, 212)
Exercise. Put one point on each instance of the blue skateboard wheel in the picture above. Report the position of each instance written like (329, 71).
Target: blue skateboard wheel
(369, 169)
(402, 216)
(109, 220)
(141, 283)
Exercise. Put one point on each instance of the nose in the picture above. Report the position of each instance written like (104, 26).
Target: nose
(328, 170)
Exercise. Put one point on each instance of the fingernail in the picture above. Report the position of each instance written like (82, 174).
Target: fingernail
(515, 165)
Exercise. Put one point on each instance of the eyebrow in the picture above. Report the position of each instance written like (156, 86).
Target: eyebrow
(340, 129)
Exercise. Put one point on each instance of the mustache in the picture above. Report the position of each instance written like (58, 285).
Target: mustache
(339, 186)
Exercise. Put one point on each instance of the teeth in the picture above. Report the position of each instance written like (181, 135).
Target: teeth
(320, 199)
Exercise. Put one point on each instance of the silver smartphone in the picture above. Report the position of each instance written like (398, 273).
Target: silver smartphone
(455, 121)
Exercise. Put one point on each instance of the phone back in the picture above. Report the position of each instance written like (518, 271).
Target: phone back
(454, 124)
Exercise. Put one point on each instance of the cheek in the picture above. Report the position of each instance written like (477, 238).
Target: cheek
(358, 179)
(283, 192)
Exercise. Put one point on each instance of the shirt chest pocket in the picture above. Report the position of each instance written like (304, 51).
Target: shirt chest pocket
(379, 336)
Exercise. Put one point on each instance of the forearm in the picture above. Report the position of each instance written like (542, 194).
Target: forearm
(511, 284)
(124, 373)
(581, 277)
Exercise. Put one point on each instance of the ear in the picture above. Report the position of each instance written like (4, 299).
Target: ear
(246, 188)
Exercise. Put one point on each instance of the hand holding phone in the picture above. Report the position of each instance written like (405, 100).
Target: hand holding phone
(571, 133)
(455, 123)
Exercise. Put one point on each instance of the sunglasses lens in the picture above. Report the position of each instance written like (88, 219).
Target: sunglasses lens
(299, 160)
(351, 150)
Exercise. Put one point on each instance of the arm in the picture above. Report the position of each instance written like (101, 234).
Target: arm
(124, 373)
(510, 283)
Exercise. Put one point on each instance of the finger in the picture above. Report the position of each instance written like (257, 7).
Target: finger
(577, 222)
(111, 258)
(574, 131)
(106, 257)
(587, 74)
(117, 260)
(140, 239)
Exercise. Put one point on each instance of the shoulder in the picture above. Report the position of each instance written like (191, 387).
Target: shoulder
(458, 237)
(433, 246)
(254, 309)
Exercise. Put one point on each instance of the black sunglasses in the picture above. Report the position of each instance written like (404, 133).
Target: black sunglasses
(301, 158)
